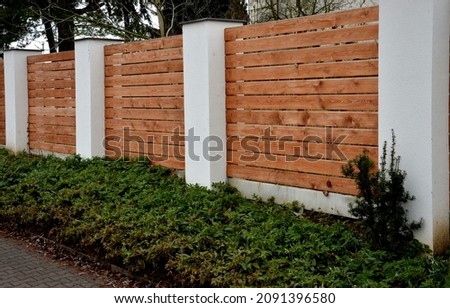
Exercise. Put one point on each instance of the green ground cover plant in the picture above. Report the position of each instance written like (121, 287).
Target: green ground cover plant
(147, 220)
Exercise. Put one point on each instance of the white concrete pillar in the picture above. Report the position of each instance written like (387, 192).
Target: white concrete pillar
(204, 100)
(90, 96)
(16, 98)
(413, 100)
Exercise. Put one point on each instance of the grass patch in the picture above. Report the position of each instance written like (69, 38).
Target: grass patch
(150, 222)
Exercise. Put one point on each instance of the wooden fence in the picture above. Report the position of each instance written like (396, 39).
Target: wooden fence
(2, 104)
(51, 92)
(144, 100)
(302, 98)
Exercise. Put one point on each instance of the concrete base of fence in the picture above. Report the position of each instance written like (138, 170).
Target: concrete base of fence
(333, 203)
(47, 153)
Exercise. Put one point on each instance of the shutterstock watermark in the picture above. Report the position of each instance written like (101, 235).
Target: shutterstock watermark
(176, 145)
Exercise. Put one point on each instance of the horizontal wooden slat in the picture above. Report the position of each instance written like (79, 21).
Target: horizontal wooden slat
(51, 84)
(68, 121)
(59, 56)
(53, 102)
(145, 68)
(171, 138)
(145, 125)
(368, 137)
(144, 148)
(295, 71)
(52, 112)
(52, 93)
(52, 138)
(367, 102)
(309, 148)
(366, 50)
(145, 102)
(138, 80)
(52, 75)
(52, 129)
(154, 44)
(155, 114)
(367, 85)
(330, 20)
(170, 162)
(305, 118)
(290, 178)
(52, 66)
(301, 40)
(298, 164)
(145, 56)
(155, 91)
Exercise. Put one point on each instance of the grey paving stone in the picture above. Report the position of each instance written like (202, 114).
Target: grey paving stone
(24, 268)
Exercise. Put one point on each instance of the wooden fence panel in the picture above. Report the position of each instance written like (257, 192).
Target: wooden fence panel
(51, 92)
(2, 104)
(302, 98)
(144, 101)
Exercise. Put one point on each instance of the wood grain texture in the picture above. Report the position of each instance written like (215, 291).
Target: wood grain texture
(302, 98)
(303, 24)
(51, 103)
(348, 52)
(302, 40)
(144, 100)
(322, 183)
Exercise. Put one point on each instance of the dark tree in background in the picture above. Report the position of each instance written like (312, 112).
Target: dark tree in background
(237, 10)
(175, 12)
(60, 21)
(14, 21)
(60, 16)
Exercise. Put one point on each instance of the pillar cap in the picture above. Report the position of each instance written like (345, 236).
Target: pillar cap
(99, 39)
(22, 49)
(213, 19)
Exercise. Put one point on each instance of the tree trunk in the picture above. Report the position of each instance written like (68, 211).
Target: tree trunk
(66, 35)
(50, 35)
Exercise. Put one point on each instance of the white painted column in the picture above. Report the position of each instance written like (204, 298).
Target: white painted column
(16, 98)
(413, 100)
(90, 96)
(204, 100)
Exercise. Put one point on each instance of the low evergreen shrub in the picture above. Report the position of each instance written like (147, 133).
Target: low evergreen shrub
(381, 200)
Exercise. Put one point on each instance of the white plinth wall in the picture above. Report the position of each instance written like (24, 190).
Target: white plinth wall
(204, 100)
(16, 98)
(90, 96)
(413, 101)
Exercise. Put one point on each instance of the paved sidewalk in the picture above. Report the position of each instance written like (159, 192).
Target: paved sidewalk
(24, 268)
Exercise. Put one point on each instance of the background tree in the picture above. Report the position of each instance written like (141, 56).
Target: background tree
(172, 13)
(266, 10)
(237, 10)
(60, 21)
(14, 21)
